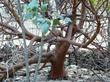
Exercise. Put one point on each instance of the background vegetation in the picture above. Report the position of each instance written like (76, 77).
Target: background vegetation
(51, 31)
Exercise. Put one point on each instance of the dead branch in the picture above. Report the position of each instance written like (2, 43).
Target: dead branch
(20, 65)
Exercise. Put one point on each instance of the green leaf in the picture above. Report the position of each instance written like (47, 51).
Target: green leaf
(94, 2)
(108, 7)
(42, 23)
(31, 9)
(44, 27)
(33, 4)
(44, 7)
(56, 22)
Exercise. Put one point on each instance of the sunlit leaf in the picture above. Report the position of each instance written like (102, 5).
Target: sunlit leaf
(42, 23)
(33, 5)
(94, 2)
(31, 9)
(44, 27)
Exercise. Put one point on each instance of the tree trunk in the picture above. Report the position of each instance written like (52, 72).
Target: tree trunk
(57, 68)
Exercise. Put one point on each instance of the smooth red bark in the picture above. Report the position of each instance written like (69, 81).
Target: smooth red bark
(57, 68)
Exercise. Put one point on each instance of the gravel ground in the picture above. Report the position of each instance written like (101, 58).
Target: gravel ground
(75, 74)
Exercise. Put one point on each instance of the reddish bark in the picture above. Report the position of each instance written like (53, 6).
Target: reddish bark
(57, 68)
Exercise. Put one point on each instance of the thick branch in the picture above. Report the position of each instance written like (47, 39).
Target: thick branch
(29, 35)
(20, 65)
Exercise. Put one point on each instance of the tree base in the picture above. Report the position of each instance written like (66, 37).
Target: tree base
(60, 78)
(58, 75)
